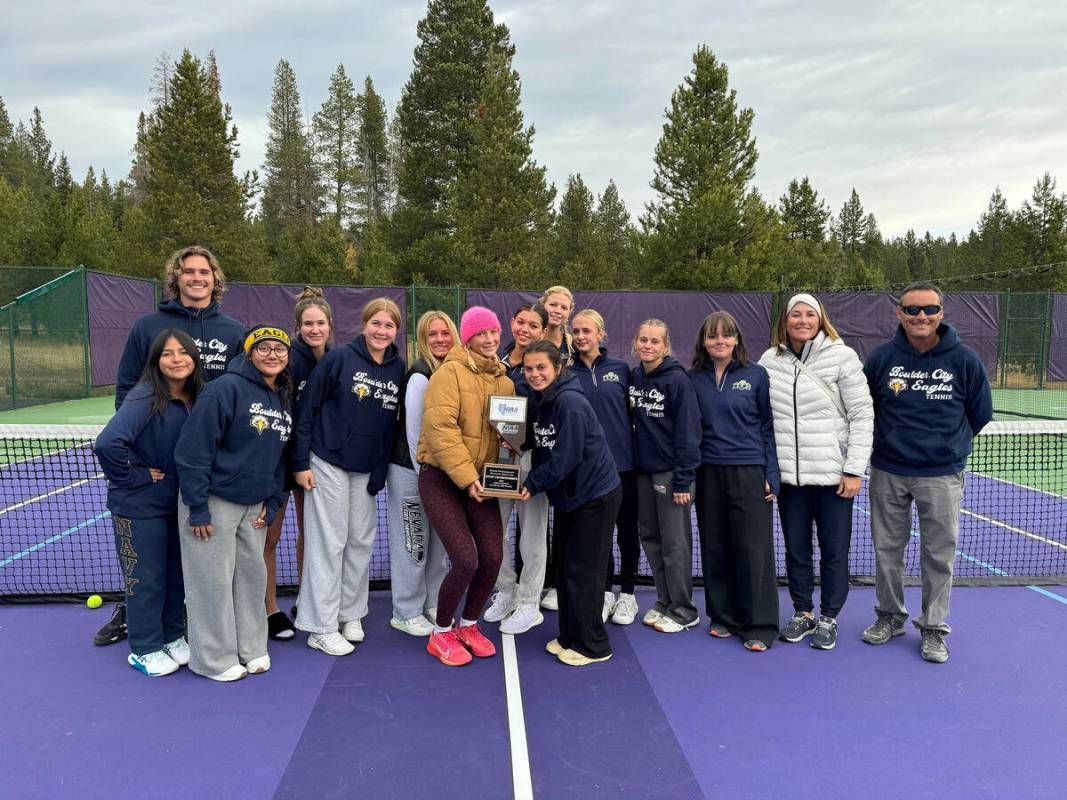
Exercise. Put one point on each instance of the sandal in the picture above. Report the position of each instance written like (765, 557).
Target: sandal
(720, 631)
(279, 628)
(755, 646)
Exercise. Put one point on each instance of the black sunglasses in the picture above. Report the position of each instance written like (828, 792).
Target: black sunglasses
(913, 311)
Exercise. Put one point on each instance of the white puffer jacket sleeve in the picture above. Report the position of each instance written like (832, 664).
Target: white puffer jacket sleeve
(816, 445)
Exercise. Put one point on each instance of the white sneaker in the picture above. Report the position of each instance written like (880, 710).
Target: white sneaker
(332, 644)
(178, 650)
(651, 618)
(502, 605)
(550, 602)
(154, 665)
(258, 666)
(234, 673)
(609, 605)
(522, 619)
(668, 625)
(416, 626)
(625, 610)
(353, 631)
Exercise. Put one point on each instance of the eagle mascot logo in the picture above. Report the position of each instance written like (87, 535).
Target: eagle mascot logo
(259, 422)
(360, 390)
(897, 385)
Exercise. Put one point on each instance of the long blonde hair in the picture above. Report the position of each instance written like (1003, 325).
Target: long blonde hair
(781, 335)
(422, 336)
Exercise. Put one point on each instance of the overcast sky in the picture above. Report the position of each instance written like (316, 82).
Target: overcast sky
(924, 107)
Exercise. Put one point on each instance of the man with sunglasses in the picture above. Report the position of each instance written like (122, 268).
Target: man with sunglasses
(931, 396)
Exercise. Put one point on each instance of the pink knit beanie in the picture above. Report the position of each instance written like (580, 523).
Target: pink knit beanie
(475, 320)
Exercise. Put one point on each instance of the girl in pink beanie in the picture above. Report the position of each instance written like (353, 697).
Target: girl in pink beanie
(475, 320)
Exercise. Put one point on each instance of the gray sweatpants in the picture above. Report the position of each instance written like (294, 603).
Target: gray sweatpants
(937, 500)
(417, 558)
(666, 530)
(532, 516)
(225, 579)
(340, 522)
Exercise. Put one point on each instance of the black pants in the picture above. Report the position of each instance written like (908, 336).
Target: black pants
(799, 507)
(626, 536)
(583, 536)
(737, 550)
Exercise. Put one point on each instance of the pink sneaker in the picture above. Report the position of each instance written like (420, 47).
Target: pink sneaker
(447, 648)
(475, 641)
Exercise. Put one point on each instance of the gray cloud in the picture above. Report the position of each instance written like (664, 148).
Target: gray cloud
(923, 107)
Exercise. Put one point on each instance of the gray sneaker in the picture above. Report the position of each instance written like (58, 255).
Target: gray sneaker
(883, 629)
(933, 648)
(799, 626)
(825, 634)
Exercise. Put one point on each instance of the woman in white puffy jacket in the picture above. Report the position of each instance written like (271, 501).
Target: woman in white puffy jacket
(823, 424)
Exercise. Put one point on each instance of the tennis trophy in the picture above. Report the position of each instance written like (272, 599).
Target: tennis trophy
(507, 416)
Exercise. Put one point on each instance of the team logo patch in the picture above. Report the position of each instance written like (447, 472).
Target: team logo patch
(360, 390)
(742, 386)
(897, 385)
(259, 423)
(611, 377)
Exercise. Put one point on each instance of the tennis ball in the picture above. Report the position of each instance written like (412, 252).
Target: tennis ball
(94, 601)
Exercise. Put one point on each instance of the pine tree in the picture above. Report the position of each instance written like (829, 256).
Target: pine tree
(1043, 219)
(435, 115)
(578, 259)
(7, 142)
(500, 203)
(616, 237)
(139, 165)
(848, 226)
(372, 156)
(336, 127)
(290, 188)
(804, 213)
(192, 194)
(62, 179)
(707, 227)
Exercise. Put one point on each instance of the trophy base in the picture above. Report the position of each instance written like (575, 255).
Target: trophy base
(502, 480)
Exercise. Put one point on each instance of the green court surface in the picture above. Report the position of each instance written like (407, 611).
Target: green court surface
(91, 411)
(1041, 403)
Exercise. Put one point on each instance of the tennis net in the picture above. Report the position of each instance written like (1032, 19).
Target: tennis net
(56, 535)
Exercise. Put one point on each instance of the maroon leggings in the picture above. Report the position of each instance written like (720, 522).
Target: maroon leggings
(473, 538)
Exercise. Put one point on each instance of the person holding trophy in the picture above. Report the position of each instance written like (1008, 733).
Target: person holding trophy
(457, 441)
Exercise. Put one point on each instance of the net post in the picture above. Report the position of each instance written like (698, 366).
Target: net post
(86, 371)
(1005, 338)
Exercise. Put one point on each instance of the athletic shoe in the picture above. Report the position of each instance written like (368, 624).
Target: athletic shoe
(554, 647)
(756, 646)
(933, 646)
(625, 610)
(353, 631)
(883, 629)
(258, 666)
(799, 626)
(332, 644)
(550, 602)
(502, 605)
(825, 634)
(178, 650)
(609, 605)
(279, 628)
(651, 617)
(416, 626)
(234, 673)
(522, 619)
(447, 648)
(475, 641)
(113, 630)
(719, 631)
(154, 665)
(669, 625)
(573, 658)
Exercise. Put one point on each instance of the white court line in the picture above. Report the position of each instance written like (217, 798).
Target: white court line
(62, 489)
(520, 757)
(1019, 485)
(1013, 529)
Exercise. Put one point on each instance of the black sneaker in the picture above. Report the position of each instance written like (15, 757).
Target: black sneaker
(933, 647)
(883, 629)
(279, 628)
(115, 630)
(799, 626)
(825, 634)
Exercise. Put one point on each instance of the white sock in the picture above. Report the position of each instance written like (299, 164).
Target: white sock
(466, 623)
(439, 629)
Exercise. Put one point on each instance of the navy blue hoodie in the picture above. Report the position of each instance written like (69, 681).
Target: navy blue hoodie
(233, 443)
(666, 423)
(735, 415)
(927, 406)
(134, 440)
(571, 459)
(607, 386)
(218, 337)
(348, 411)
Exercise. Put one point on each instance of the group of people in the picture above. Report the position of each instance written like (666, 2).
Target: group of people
(217, 425)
